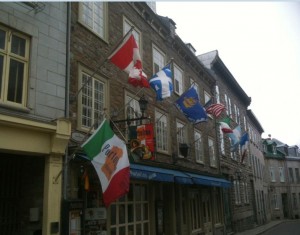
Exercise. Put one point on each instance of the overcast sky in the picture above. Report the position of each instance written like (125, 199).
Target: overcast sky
(259, 42)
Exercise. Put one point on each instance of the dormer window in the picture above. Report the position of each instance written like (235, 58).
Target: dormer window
(265, 148)
(274, 149)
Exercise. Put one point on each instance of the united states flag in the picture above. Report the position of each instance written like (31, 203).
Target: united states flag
(215, 109)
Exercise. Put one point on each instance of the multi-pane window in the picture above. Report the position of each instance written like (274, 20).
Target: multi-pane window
(222, 142)
(136, 34)
(217, 94)
(133, 108)
(297, 175)
(274, 149)
(275, 201)
(93, 16)
(291, 175)
(192, 82)
(281, 174)
(212, 152)
(130, 214)
(161, 130)
(198, 147)
(178, 80)
(295, 204)
(14, 60)
(158, 59)
(246, 196)
(93, 100)
(181, 135)
(272, 174)
(195, 209)
(237, 193)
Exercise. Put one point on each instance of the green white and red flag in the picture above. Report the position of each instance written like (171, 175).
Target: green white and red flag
(108, 154)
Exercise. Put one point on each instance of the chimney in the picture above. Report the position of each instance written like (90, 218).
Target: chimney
(269, 137)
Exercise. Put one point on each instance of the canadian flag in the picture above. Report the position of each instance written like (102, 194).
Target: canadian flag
(127, 58)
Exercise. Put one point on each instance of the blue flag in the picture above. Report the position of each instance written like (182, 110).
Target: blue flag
(235, 137)
(188, 103)
(162, 84)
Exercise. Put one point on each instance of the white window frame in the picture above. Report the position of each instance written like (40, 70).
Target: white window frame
(158, 58)
(178, 79)
(275, 201)
(217, 94)
(281, 174)
(199, 152)
(196, 85)
(222, 142)
(136, 203)
(87, 95)
(272, 174)
(161, 132)
(212, 152)
(127, 24)
(10, 56)
(133, 108)
(181, 135)
(95, 18)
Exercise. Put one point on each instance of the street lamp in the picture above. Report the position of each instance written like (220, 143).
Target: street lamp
(143, 103)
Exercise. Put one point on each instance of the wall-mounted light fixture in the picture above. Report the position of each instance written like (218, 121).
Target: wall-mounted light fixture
(143, 103)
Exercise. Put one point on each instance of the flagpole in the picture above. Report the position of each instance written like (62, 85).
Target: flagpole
(74, 97)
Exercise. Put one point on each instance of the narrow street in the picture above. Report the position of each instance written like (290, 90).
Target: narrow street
(287, 228)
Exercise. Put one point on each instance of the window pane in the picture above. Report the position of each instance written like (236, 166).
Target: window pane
(18, 45)
(15, 84)
(2, 39)
(1, 73)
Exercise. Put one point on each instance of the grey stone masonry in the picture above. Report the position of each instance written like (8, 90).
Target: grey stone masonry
(47, 29)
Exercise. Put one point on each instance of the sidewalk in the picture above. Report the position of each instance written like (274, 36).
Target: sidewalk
(262, 228)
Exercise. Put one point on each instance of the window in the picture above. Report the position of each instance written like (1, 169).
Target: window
(246, 193)
(136, 33)
(291, 175)
(195, 209)
(281, 174)
(272, 174)
(93, 16)
(181, 135)
(295, 204)
(130, 214)
(217, 94)
(222, 142)
(93, 99)
(14, 63)
(132, 109)
(275, 201)
(158, 59)
(193, 82)
(237, 193)
(178, 80)
(161, 124)
(297, 175)
(212, 152)
(198, 147)
(274, 149)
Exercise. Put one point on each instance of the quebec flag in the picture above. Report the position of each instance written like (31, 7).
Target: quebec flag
(188, 103)
(161, 82)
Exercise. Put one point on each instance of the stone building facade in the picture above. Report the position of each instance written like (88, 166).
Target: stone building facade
(34, 131)
(255, 159)
(239, 212)
(170, 193)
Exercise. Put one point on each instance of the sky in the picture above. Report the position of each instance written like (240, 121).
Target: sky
(259, 43)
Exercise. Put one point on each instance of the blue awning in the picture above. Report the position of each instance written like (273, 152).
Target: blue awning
(145, 172)
(210, 181)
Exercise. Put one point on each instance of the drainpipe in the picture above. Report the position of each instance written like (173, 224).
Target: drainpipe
(67, 89)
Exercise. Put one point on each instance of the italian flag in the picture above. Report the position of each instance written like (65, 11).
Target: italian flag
(108, 154)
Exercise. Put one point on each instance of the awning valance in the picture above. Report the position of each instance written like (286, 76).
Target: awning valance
(144, 172)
